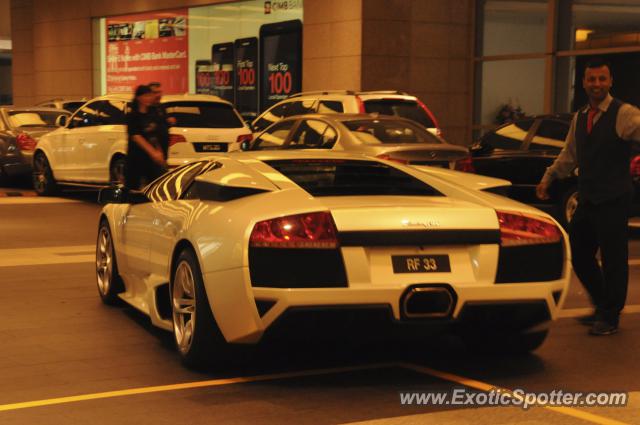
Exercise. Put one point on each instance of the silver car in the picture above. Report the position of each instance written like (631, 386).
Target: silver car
(385, 137)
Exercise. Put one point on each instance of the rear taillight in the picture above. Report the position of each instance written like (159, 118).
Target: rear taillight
(176, 138)
(388, 157)
(465, 164)
(309, 230)
(635, 167)
(244, 138)
(518, 229)
(360, 103)
(26, 142)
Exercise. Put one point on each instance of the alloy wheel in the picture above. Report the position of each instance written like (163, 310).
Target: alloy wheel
(183, 300)
(104, 261)
(40, 171)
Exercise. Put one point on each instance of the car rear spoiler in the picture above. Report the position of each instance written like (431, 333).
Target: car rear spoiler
(468, 180)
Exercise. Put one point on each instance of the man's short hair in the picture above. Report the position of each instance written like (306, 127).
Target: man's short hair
(597, 62)
(154, 85)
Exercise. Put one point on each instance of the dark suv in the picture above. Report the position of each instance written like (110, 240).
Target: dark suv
(522, 150)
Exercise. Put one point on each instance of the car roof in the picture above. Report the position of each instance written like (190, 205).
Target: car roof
(127, 97)
(38, 109)
(393, 94)
(332, 116)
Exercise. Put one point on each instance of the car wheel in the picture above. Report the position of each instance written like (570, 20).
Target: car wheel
(197, 336)
(116, 170)
(43, 181)
(515, 343)
(568, 205)
(109, 281)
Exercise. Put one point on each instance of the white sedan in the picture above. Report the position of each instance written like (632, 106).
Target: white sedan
(225, 250)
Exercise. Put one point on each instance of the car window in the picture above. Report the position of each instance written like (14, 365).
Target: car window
(283, 110)
(510, 136)
(375, 132)
(310, 134)
(190, 114)
(409, 109)
(550, 136)
(338, 177)
(18, 119)
(71, 106)
(110, 112)
(330, 107)
(274, 137)
(87, 116)
(170, 186)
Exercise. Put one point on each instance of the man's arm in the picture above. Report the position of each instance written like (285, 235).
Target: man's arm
(628, 123)
(564, 164)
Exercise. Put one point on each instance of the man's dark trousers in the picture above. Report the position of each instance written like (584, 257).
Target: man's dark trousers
(604, 226)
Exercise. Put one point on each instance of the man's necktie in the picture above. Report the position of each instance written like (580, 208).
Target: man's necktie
(590, 115)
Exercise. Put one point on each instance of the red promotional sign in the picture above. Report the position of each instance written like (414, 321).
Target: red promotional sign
(148, 47)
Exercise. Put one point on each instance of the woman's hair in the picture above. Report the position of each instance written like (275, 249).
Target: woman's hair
(140, 90)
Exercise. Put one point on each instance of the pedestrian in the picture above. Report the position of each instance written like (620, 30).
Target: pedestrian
(162, 120)
(146, 159)
(599, 145)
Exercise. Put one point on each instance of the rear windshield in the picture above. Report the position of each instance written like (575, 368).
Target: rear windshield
(375, 132)
(202, 114)
(400, 108)
(34, 118)
(72, 106)
(328, 177)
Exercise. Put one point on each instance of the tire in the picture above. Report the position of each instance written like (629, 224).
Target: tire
(107, 277)
(43, 181)
(510, 343)
(116, 170)
(567, 205)
(196, 334)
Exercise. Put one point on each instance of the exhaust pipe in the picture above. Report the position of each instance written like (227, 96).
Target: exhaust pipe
(421, 302)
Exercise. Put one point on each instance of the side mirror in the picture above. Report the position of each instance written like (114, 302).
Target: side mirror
(121, 195)
(61, 121)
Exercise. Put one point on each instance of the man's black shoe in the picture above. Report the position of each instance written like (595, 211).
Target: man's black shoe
(588, 320)
(602, 328)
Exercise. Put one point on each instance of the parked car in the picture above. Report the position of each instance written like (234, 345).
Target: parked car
(394, 103)
(92, 146)
(70, 105)
(386, 137)
(247, 244)
(522, 150)
(20, 130)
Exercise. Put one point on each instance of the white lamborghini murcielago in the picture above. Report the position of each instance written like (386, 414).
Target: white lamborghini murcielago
(225, 250)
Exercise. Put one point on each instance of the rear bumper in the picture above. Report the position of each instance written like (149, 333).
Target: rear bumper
(241, 321)
(15, 165)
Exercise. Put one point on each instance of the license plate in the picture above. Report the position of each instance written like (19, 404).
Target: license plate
(211, 147)
(420, 263)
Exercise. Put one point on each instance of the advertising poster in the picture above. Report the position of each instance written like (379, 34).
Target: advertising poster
(280, 61)
(147, 47)
(223, 77)
(204, 77)
(246, 75)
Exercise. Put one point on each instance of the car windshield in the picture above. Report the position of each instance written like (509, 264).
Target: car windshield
(34, 118)
(409, 109)
(337, 177)
(193, 114)
(375, 132)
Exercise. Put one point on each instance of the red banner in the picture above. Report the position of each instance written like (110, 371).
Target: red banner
(148, 47)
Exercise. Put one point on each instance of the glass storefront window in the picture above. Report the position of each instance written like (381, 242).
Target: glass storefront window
(510, 88)
(597, 24)
(247, 52)
(513, 27)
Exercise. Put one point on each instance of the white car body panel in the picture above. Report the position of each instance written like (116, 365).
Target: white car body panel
(146, 236)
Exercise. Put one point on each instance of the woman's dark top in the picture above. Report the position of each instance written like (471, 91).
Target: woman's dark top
(140, 168)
